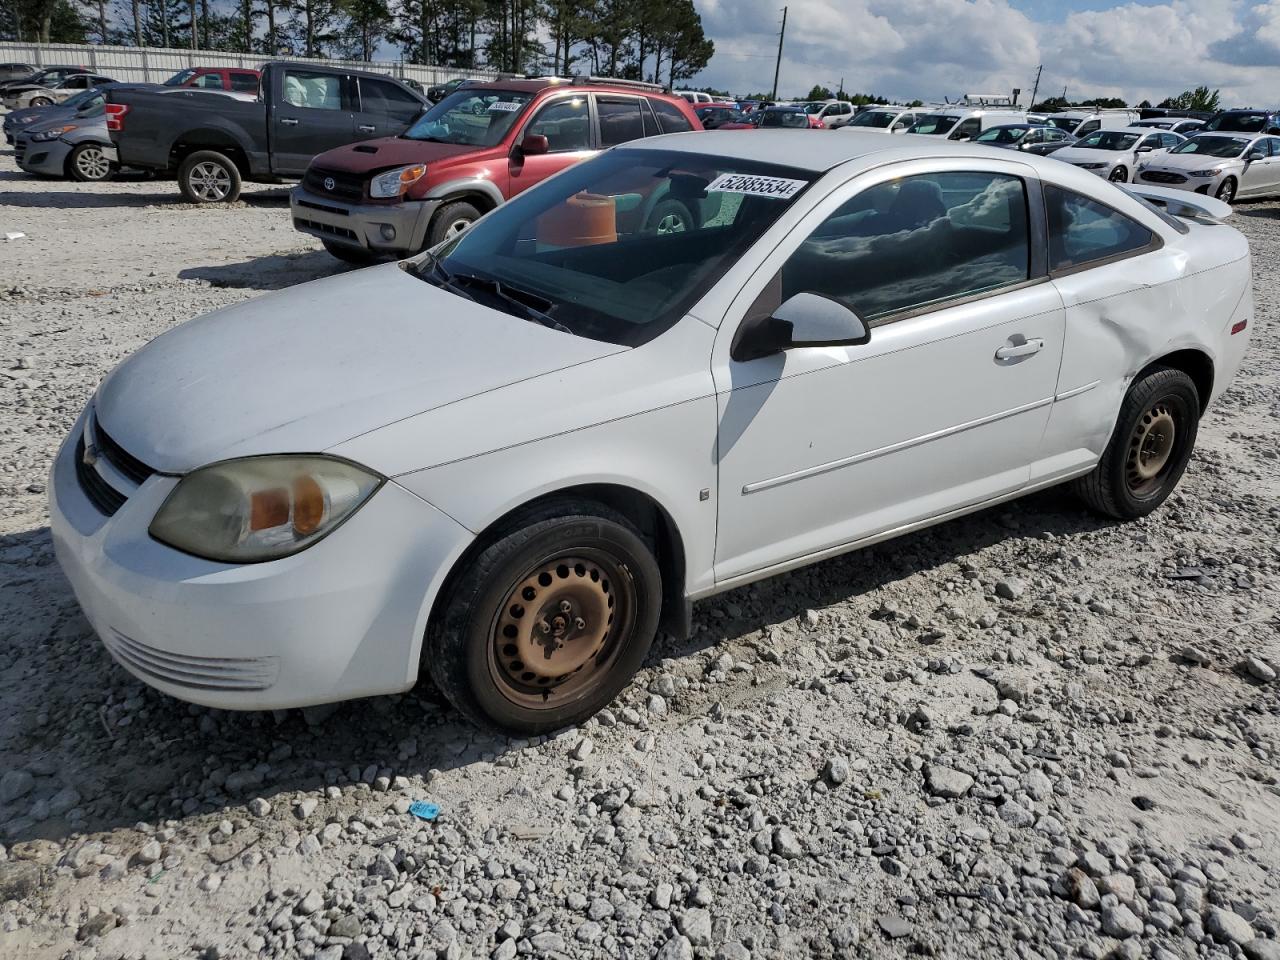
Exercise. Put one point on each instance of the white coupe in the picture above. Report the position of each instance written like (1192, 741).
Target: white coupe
(510, 460)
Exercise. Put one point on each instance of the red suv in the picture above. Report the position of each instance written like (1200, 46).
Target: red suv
(479, 146)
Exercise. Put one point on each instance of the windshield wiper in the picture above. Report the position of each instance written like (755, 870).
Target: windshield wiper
(443, 278)
(513, 296)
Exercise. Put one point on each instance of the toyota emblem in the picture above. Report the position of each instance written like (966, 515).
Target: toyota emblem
(329, 184)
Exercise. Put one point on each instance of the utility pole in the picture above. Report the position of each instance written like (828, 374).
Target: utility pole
(778, 66)
(1035, 87)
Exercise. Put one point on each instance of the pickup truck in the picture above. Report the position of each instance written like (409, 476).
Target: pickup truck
(215, 141)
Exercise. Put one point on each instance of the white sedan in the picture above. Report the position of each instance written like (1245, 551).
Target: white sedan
(510, 460)
(1113, 154)
(1222, 165)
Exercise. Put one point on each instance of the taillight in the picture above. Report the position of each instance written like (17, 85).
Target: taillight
(115, 115)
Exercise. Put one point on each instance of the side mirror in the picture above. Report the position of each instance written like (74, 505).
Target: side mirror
(805, 320)
(1256, 154)
(534, 143)
(1145, 148)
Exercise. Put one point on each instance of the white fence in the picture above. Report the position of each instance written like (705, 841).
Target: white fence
(156, 64)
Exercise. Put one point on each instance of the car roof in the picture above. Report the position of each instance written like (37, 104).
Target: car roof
(536, 86)
(822, 153)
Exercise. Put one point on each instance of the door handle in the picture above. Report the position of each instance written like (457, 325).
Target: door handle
(288, 122)
(366, 128)
(1025, 348)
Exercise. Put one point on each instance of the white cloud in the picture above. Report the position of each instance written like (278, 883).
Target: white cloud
(944, 48)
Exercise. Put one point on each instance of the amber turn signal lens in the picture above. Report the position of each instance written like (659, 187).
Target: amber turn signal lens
(268, 508)
(308, 506)
(412, 174)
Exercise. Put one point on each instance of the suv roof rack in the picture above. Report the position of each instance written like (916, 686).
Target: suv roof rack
(579, 80)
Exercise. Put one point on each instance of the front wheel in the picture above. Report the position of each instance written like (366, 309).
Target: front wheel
(208, 176)
(88, 163)
(546, 624)
(1119, 175)
(41, 102)
(451, 220)
(670, 216)
(1149, 449)
(1227, 190)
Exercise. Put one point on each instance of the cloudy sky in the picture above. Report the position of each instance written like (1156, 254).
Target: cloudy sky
(935, 48)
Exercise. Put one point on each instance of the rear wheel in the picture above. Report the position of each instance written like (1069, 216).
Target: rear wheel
(549, 622)
(41, 102)
(1149, 449)
(1119, 175)
(451, 220)
(1227, 190)
(89, 164)
(208, 176)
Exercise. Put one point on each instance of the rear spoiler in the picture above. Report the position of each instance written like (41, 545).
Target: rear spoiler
(1181, 203)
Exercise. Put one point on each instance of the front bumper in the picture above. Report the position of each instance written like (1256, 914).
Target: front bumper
(393, 228)
(48, 158)
(1175, 180)
(339, 620)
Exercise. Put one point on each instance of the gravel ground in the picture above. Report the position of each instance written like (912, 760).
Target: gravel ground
(1025, 733)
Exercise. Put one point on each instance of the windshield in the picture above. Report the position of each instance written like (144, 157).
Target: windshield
(619, 247)
(1002, 135)
(1226, 147)
(1065, 123)
(933, 123)
(179, 78)
(1242, 122)
(1108, 140)
(880, 119)
(82, 99)
(475, 118)
(784, 118)
(814, 107)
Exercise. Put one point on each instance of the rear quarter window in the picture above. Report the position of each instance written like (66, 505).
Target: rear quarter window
(670, 117)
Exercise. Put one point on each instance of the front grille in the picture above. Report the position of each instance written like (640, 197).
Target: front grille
(301, 223)
(346, 186)
(198, 673)
(105, 498)
(19, 148)
(1159, 176)
(327, 208)
(118, 457)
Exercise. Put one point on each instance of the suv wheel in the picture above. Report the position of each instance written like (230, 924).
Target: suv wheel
(451, 220)
(670, 216)
(208, 176)
(547, 623)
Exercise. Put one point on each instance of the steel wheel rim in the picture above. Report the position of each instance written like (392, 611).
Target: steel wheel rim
(671, 223)
(209, 181)
(561, 627)
(1151, 447)
(92, 164)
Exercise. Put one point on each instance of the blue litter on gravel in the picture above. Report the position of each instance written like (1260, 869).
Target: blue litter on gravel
(424, 810)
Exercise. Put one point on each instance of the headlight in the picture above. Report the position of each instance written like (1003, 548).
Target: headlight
(53, 134)
(261, 508)
(395, 182)
(1206, 173)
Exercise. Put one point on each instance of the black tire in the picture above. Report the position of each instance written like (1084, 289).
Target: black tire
(347, 254)
(1226, 191)
(670, 216)
(40, 102)
(208, 176)
(87, 164)
(473, 645)
(1118, 486)
(451, 219)
(1119, 175)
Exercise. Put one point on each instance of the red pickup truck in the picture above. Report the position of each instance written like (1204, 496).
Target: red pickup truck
(479, 146)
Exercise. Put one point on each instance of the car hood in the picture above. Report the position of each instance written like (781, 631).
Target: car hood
(309, 367)
(1086, 155)
(24, 118)
(388, 152)
(1189, 161)
(63, 119)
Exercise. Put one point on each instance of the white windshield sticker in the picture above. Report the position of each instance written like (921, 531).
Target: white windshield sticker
(780, 188)
(509, 106)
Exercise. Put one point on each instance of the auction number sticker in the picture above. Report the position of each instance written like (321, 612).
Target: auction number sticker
(507, 106)
(780, 188)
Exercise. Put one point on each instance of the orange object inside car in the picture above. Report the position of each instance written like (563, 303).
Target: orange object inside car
(583, 220)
